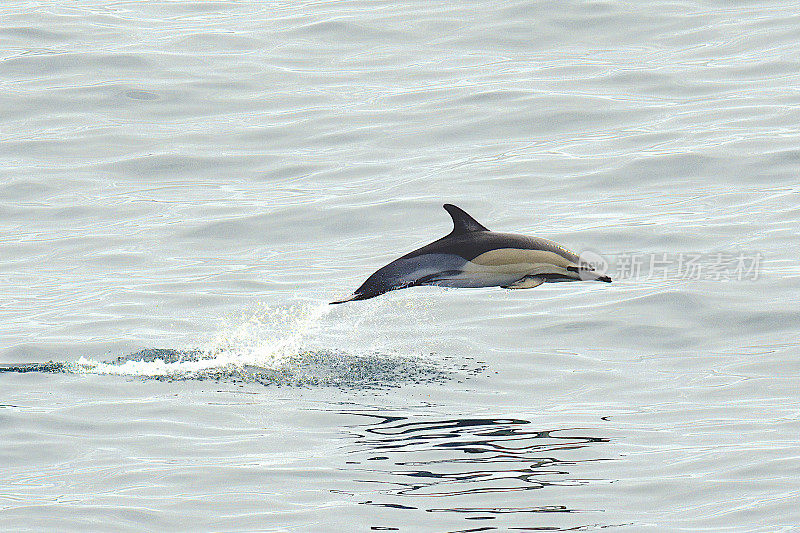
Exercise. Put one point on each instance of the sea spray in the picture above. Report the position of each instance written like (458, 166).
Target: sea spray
(265, 339)
(284, 345)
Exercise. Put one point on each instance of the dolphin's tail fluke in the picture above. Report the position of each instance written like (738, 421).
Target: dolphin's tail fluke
(354, 297)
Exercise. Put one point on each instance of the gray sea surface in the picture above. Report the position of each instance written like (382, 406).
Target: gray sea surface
(184, 186)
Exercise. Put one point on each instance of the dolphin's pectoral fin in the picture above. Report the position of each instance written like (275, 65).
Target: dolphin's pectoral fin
(527, 282)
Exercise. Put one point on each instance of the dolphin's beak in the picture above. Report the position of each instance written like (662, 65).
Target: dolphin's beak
(588, 274)
(591, 276)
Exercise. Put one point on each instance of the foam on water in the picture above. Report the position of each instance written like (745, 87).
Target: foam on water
(273, 346)
(267, 339)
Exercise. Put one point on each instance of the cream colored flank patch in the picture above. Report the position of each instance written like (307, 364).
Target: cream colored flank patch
(513, 257)
(504, 265)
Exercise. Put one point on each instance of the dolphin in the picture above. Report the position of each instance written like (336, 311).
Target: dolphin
(473, 256)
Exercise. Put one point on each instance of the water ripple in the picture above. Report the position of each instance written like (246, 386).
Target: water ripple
(463, 465)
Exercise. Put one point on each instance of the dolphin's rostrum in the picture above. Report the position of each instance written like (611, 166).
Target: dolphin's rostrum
(473, 256)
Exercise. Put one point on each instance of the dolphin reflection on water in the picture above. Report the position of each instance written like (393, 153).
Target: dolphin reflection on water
(473, 256)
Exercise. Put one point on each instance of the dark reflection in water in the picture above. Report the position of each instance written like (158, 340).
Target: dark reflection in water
(476, 468)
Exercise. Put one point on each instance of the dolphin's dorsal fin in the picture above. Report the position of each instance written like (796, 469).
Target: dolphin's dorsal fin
(462, 222)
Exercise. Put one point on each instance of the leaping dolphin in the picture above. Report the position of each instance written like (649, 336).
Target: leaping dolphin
(473, 256)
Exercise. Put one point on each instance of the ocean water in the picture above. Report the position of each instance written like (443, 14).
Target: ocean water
(184, 186)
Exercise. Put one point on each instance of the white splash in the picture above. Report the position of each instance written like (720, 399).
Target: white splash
(266, 339)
